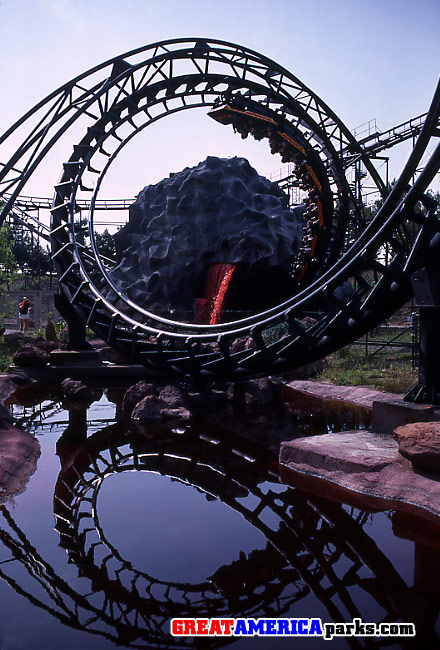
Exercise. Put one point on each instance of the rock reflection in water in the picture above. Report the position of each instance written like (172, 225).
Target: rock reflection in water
(313, 548)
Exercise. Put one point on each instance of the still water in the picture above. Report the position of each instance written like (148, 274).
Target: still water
(118, 533)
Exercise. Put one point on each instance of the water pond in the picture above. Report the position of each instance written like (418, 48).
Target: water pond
(117, 533)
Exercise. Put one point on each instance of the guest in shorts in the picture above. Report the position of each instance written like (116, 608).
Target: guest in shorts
(24, 307)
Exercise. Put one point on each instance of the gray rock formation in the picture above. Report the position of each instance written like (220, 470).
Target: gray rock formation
(221, 211)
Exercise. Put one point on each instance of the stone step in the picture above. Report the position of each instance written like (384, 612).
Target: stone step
(362, 468)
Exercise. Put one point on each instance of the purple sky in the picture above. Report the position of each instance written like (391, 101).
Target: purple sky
(365, 58)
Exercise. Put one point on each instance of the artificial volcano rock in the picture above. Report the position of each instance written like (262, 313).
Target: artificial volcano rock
(220, 212)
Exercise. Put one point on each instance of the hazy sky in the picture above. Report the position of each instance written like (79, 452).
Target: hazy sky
(365, 58)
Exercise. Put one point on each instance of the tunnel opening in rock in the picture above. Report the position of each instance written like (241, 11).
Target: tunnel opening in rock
(235, 290)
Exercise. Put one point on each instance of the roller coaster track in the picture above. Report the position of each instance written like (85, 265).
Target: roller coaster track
(380, 140)
(372, 144)
(31, 203)
(120, 98)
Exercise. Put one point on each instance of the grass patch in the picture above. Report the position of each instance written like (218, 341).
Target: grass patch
(6, 354)
(389, 371)
(273, 334)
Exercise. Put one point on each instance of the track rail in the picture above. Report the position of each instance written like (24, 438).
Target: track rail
(119, 99)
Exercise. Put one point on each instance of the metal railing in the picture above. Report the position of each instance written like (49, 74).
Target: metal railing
(377, 341)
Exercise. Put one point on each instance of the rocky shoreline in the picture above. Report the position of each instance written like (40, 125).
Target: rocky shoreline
(19, 450)
(370, 469)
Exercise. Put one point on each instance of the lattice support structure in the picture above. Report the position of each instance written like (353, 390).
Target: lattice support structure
(117, 100)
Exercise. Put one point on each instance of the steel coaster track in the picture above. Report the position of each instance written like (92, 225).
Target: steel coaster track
(372, 144)
(311, 546)
(117, 100)
(382, 140)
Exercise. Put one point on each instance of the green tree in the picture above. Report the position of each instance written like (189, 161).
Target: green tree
(7, 266)
(28, 252)
(7, 258)
(106, 244)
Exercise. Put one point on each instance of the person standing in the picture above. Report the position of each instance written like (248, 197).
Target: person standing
(24, 307)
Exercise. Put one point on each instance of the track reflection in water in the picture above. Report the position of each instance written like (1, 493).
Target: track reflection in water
(311, 557)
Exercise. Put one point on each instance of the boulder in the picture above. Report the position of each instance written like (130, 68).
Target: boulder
(152, 413)
(241, 344)
(74, 389)
(308, 321)
(15, 339)
(19, 452)
(347, 451)
(254, 393)
(136, 393)
(29, 355)
(419, 442)
(50, 332)
(238, 345)
(172, 397)
(47, 346)
(9, 384)
(5, 414)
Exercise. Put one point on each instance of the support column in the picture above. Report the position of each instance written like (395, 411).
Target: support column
(426, 286)
(76, 337)
(73, 436)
